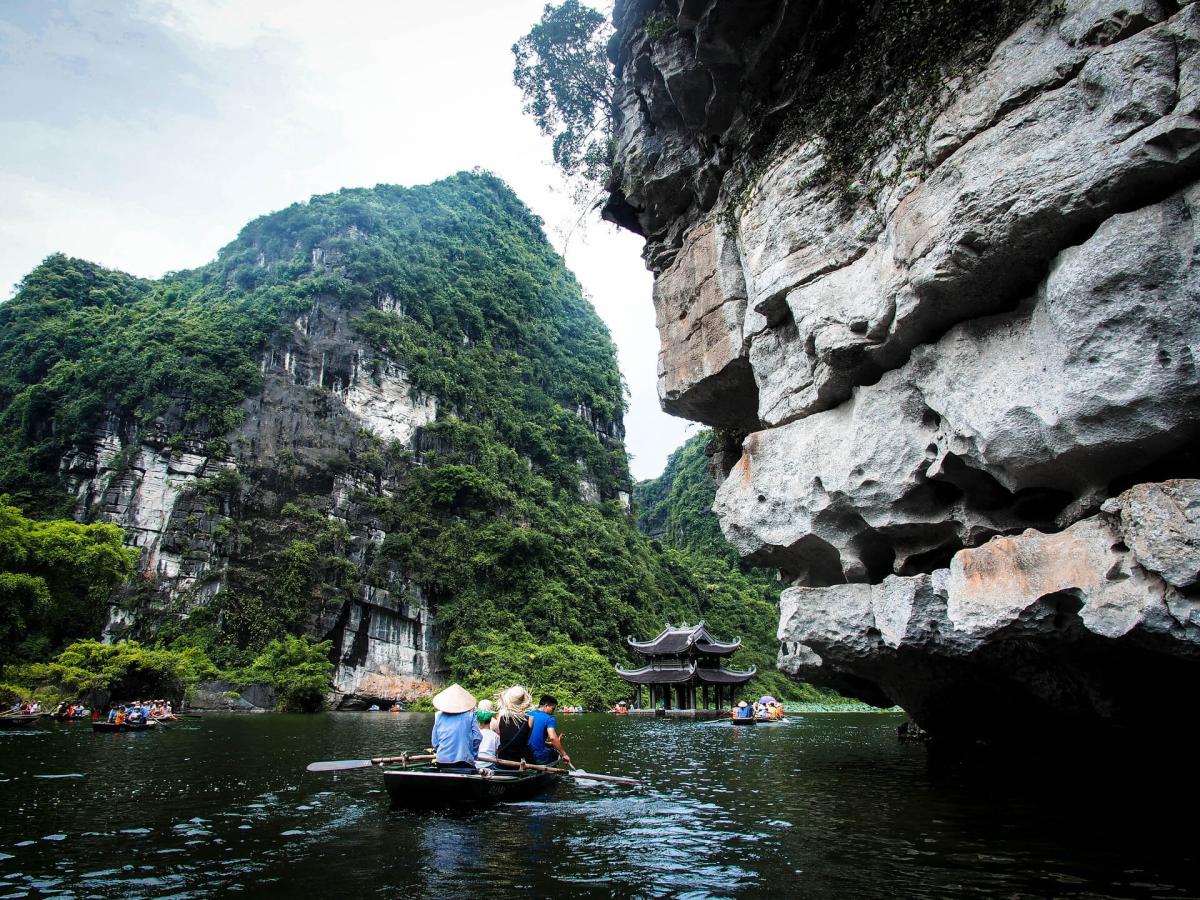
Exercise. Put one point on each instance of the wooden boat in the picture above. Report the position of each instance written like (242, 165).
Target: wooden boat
(736, 721)
(423, 785)
(21, 721)
(124, 726)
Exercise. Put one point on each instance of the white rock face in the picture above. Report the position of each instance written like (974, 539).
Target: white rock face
(954, 371)
(384, 647)
(387, 403)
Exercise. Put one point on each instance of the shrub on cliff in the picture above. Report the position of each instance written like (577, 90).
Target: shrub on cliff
(561, 67)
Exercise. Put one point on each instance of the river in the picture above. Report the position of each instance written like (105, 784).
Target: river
(825, 806)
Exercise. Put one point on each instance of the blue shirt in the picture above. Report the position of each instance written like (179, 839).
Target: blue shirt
(456, 737)
(537, 735)
(745, 712)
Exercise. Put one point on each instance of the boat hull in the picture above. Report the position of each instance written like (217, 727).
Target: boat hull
(108, 727)
(19, 721)
(744, 721)
(426, 787)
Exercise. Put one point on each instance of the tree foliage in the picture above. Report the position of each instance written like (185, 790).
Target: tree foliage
(55, 580)
(563, 73)
(298, 667)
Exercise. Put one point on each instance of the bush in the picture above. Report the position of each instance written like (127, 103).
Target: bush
(300, 670)
(574, 673)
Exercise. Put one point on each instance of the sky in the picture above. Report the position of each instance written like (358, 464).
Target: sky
(143, 134)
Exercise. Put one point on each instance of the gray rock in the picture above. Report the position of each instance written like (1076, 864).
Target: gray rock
(1160, 523)
(955, 371)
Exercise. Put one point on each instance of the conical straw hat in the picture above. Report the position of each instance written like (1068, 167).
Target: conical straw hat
(454, 699)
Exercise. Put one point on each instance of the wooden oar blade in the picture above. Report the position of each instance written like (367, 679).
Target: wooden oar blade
(338, 765)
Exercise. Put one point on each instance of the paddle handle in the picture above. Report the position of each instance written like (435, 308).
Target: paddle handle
(403, 758)
(515, 764)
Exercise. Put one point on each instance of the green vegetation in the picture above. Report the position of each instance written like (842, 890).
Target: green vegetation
(298, 667)
(55, 581)
(484, 515)
(125, 671)
(562, 70)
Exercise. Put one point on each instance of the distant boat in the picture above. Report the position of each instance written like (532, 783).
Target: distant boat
(425, 786)
(124, 726)
(20, 721)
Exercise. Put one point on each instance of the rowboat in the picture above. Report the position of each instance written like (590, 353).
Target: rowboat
(124, 726)
(736, 721)
(25, 721)
(423, 785)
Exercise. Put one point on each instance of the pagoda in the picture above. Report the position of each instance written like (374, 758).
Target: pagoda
(683, 665)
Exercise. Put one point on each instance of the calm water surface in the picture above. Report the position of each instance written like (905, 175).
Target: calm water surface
(826, 806)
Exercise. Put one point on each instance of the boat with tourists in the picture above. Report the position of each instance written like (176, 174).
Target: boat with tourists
(23, 720)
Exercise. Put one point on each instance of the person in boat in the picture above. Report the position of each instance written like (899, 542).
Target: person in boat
(513, 724)
(485, 715)
(621, 708)
(456, 734)
(544, 739)
(744, 711)
(777, 711)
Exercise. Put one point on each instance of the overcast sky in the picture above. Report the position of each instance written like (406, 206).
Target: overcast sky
(142, 134)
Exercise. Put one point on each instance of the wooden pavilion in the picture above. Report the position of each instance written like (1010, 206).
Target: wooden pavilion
(684, 666)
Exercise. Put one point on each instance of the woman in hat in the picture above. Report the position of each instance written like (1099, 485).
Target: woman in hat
(514, 724)
(744, 711)
(456, 734)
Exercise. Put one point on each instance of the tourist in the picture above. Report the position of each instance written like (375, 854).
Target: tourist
(456, 734)
(743, 710)
(513, 724)
(621, 708)
(543, 730)
(485, 715)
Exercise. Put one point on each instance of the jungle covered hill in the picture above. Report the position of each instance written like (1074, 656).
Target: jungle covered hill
(387, 419)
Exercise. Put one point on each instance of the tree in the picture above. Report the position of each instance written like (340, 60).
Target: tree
(55, 579)
(562, 71)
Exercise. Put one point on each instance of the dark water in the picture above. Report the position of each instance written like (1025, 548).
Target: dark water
(825, 806)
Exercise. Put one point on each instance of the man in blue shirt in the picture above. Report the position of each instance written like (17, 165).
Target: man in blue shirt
(543, 731)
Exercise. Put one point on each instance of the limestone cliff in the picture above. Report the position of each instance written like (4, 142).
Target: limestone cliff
(934, 267)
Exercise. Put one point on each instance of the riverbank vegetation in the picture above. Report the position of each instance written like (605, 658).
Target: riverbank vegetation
(297, 667)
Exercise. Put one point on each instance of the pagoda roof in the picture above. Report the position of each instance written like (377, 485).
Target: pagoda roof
(684, 639)
(651, 675)
(725, 676)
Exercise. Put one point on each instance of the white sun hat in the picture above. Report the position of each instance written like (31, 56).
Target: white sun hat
(454, 699)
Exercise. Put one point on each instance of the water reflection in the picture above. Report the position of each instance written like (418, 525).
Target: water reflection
(828, 806)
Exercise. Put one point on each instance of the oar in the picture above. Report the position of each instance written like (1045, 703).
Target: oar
(343, 765)
(513, 764)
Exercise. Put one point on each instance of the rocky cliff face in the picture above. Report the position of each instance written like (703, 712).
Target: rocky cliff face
(323, 393)
(954, 334)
